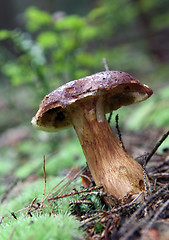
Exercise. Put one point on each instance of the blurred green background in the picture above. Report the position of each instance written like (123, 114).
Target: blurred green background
(44, 44)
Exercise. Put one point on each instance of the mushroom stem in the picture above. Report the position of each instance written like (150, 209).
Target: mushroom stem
(109, 164)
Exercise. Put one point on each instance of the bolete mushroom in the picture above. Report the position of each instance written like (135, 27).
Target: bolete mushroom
(83, 103)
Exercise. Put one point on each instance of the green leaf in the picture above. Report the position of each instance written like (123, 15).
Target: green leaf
(18, 73)
(4, 34)
(36, 18)
(88, 33)
(80, 73)
(72, 22)
(139, 116)
(68, 43)
(48, 39)
(97, 12)
(161, 21)
(85, 59)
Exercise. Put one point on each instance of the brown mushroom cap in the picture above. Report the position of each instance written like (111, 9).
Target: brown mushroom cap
(116, 89)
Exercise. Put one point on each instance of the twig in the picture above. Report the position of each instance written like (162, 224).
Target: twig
(132, 203)
(145, 188)
(81, 202)
(102, 214)
(151, 199)
(1, 218)
(166, 162)
(65, 185)
(157, 146)
(12, 233)
(146, 182)
(44, 172)
(107, 69)
(159, 174)
(29, 208)
(13, 215)
(23, 209)
(100, 194)
(68, 183)
(110, 116)
(130, 233)
(141, 158)
(119, 132)
(85, 221)
(108, 226)
(105, 64)
(5, 195)
(76, 192)
(153, 220)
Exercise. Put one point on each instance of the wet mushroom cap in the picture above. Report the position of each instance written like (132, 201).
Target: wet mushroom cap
(116, 89)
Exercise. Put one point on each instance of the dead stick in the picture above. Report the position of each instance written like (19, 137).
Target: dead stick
(107, 69)
(110, 116)
(105, 64)
(136, 228)
(157, 146)
(119, 132)
(150, 199)
(65, 185)
(155, 217)
(133, 203)
(81, 202)
(30, 206)
(74, 193)
(44, 172)
(12, 233)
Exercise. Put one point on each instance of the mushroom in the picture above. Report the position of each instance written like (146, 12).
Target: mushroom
(83, 103)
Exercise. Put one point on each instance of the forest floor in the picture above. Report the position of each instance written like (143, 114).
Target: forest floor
(125, 219)
(148, 220)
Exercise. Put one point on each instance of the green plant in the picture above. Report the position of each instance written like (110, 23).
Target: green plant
(52, 51)
(49, 51)
(154, 113)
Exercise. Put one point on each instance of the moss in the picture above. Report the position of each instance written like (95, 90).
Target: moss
(42, 227)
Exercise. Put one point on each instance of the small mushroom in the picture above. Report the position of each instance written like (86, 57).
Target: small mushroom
(83, 103)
